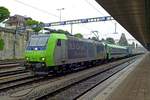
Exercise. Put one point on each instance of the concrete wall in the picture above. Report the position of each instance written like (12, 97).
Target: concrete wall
(8, 51)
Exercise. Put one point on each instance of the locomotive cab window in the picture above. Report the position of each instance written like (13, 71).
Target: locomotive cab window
(38, 41)
(58, 42)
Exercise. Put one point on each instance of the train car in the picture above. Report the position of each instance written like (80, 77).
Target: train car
(136, 51)
(58, 52)
(116, 51)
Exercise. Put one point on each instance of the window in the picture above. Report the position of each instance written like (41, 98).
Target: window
(58, 42)
(38, 41)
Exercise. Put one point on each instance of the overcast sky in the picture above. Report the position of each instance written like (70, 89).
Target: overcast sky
(46, 11)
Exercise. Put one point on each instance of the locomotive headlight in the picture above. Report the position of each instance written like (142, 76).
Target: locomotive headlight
(27, 58)
(35, 48)
(43, 59)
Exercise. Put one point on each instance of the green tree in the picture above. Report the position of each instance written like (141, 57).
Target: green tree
(110, 40)
(95, 38)
(4, 13)
(57, 31)
(31, 23)
(79, 35)
(133, 45)
(63, 32)
(136, 45)
(123, 41)
(102, 40)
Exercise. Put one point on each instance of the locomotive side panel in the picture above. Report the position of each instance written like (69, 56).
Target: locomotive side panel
(84, 50)
(60, 54)
(76, 49)
(100, 51)
(91, 50)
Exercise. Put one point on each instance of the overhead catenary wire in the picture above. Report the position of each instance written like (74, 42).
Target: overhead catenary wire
(35, 8)
(44, 11)
(89, 3)
(93, 7)
(99, 12)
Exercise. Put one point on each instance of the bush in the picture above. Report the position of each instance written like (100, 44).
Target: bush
(1, 44)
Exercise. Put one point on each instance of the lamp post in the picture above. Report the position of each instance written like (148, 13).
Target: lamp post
(115, 28)
(60, 9)
(15, 38)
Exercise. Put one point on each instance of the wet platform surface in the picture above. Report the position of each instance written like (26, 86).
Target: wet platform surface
(136, 86)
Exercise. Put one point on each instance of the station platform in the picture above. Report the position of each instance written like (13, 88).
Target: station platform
(136, 86)
(131, 84)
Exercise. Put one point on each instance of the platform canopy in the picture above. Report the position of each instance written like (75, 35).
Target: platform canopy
(133, 15)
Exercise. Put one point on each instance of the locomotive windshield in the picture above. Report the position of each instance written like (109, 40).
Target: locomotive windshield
(38, 42)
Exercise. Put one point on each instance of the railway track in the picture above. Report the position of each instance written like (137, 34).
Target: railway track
(21, 81)
(14, 77)
(12, 71)
(9, 85)
(3, 66)
(2, 62)
(77, 89)
(11, 68)
(6, 65)
(57, 87)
